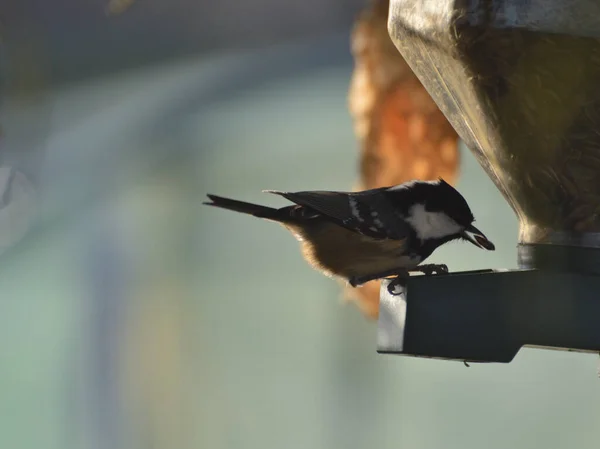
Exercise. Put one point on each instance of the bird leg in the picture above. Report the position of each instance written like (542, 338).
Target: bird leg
(400, 275)
(429, 269)
(356, 281)
(398, 280)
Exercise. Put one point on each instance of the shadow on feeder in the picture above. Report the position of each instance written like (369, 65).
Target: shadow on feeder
(518, 81)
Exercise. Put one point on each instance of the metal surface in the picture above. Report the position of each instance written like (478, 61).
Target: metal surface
(518, 80)
(489, 317)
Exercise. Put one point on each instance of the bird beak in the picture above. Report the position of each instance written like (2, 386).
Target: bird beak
(477, 238)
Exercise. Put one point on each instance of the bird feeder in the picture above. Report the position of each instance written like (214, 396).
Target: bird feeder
(519, 81)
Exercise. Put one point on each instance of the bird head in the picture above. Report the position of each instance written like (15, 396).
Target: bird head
(437, 211)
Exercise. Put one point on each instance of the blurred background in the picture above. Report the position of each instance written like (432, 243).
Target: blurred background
(133, 317)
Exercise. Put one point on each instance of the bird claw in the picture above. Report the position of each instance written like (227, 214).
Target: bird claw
(400, 276)
(357, 281)
(400, 281)
(431, 269)
(427, 270)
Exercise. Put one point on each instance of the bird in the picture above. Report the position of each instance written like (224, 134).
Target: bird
(371, 234)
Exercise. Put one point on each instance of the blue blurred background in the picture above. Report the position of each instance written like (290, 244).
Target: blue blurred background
(133, 317)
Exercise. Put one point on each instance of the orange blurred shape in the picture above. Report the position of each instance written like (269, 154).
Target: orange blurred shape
(403, 134)
(116, 7)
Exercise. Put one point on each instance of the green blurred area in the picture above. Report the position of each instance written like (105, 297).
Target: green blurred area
(145, 320)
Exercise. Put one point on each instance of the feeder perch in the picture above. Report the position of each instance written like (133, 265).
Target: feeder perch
(519, 82)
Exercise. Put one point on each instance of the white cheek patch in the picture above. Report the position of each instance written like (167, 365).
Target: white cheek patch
(431, 225)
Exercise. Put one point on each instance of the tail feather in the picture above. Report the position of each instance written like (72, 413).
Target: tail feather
(241, 206)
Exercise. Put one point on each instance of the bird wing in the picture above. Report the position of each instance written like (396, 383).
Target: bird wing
(368, 212)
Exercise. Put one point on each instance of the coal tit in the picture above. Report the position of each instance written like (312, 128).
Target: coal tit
(372, 234)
